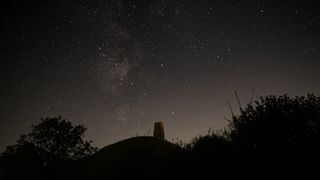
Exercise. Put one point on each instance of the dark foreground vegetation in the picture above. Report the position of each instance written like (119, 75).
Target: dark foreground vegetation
(272, 138)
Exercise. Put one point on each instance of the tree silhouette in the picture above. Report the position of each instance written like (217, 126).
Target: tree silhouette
(53, 140)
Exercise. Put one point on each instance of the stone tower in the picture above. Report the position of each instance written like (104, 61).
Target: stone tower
(158, 131)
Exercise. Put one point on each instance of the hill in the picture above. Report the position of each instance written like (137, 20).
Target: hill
(137, 157)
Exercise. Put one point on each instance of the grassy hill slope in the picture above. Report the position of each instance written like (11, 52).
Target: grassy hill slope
(138, 157)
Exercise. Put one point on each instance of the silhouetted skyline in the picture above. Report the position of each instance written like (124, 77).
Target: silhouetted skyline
(118, 66)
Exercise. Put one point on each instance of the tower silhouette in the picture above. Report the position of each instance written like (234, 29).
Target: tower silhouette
(158, 131)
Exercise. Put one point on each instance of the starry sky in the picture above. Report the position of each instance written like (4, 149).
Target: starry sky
(118, 66)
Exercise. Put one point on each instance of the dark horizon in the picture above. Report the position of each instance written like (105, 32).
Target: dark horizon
(119, 66)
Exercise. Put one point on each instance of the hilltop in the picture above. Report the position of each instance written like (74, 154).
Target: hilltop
(139, 157)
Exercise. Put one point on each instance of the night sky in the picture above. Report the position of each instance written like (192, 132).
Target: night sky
(118, 66)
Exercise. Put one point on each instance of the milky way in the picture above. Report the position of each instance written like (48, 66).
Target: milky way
(118, 66)
(115, 70)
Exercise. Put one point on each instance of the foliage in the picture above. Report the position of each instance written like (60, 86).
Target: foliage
(278, 135)
(211, 141)
(280, 122)
(275, 135)
(54, 139)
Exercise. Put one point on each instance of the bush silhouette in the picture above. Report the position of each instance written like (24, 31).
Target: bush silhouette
(278, 134)
(211, 143)
(280, 122)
